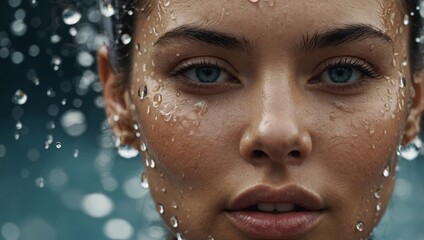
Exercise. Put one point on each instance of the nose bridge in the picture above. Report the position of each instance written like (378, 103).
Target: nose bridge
(276, 132)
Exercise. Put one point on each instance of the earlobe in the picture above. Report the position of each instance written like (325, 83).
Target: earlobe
(412, 127)
(117, 102)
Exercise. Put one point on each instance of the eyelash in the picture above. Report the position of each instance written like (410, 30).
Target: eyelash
(356, 64)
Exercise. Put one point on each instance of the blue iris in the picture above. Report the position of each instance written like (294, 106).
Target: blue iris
(207, 74)
(340, 74)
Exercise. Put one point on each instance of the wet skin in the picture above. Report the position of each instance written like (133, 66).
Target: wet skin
(243, 94)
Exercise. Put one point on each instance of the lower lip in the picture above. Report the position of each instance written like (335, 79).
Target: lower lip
(274, 225)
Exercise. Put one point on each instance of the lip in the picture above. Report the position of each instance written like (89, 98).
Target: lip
(282, 225)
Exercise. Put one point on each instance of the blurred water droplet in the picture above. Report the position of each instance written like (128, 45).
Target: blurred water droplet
(71, 16)
(55, 38)
(73, 31)
(18, 28)
(97, 205)
(106, 8)
(58, 145)
(126, 39)
(17, 136)
(161, 209)
(19, 125)
(142, 92)
(174, 221)
(73, 123)
(76, 153)
(118, 229)
(166, 3)
(386, 171)
(10, 231)
(39, 182)
(19, 97)
(174, 205)
(254, 1)
(359, 226)
(51, 125)
(378, 207)
(56, 62)
(211, 238)
(144, 181)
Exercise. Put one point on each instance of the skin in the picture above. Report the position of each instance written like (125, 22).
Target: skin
(277, 121)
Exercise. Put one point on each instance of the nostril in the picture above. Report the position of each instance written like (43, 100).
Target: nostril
(295, 154)
(258, 154)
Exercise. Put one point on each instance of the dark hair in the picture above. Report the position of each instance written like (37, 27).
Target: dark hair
(122, 23)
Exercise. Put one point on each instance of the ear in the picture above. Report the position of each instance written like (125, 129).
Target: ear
(412, 127)
(117, 101)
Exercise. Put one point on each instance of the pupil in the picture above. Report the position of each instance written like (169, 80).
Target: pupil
(208, 74)
(341, 74)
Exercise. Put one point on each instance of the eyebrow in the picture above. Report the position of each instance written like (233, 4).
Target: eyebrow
(343, 35)
(214, 38)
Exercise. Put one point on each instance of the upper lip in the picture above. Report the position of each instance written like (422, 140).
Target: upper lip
(267, 194)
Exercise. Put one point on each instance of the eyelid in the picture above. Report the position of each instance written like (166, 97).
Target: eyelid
(358, 64)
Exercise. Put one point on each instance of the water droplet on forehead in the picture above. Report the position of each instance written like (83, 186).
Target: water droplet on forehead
(174, 221)
(19, 97)
(359, 226)
(144, 181)
(71, 16)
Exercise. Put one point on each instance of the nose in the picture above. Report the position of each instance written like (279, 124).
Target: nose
(277, 134)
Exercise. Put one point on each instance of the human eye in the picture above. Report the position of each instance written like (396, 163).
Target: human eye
(346, 74)
(204, 73)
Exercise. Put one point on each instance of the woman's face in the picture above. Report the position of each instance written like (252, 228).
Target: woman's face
(269, 119)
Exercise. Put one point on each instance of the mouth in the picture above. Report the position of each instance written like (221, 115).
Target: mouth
(268, 213)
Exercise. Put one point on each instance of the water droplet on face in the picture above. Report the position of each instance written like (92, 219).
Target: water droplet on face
(378, 207)
(254, 1)
(157, 100)
(71, 16)
(211, 238)
(174, 205)
(39, 182)
(386, 171)
(161, 209)
(126, 39)
(402, 81)
(143, 147)
(179, 236)
(19, 97)
(359, 226)
(106, 8)
(166, 3)
(142, 92)
(406, 19)
(144, 182)
(58, 145)
(174, 221)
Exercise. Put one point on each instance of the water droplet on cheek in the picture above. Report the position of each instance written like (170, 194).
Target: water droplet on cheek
(359, 226)
(406, 19)
(157, 100)
(161, 209)
(173, 221)
(142, 92)
(386, 171)
(179, 236)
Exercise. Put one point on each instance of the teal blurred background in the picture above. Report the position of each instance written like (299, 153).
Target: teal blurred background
(60, 176)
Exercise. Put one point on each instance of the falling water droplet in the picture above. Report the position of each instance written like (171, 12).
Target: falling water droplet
(58, 145)
(76, 153)
(19, 97)
(144, 182)
(174, 221)
(106, 8)
(406, 19)
(412, 150)
(71, 16)
(386, 171)
(126, 38)
(142, 92)
(161, 209)
(39, 182)
(126, 151)
(359, 226)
